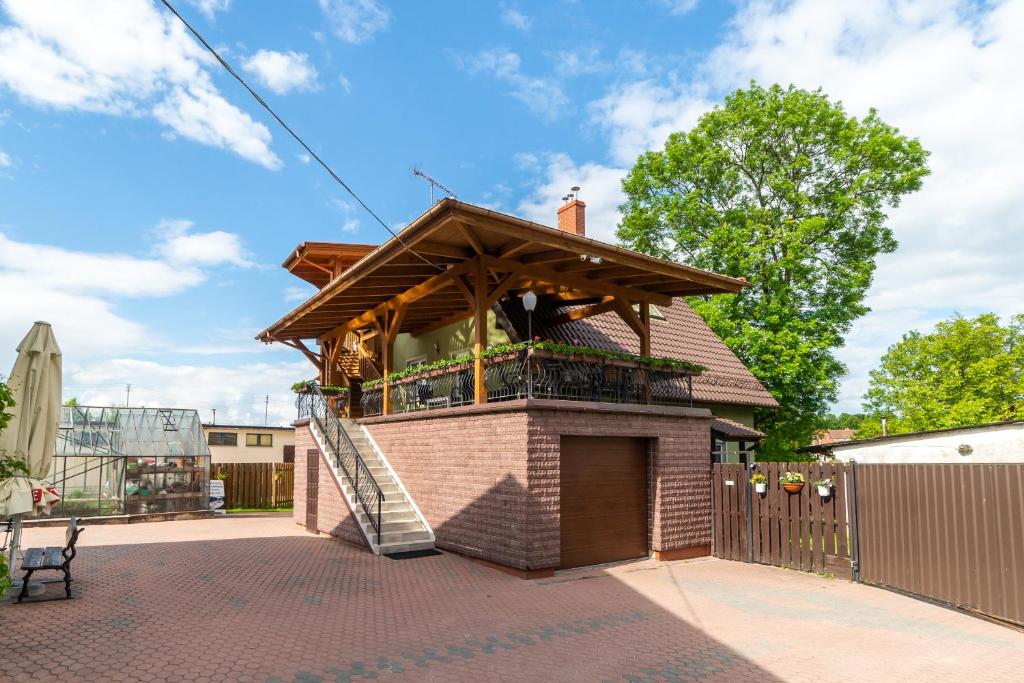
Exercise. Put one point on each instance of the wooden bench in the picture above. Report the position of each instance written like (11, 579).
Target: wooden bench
(53, 558)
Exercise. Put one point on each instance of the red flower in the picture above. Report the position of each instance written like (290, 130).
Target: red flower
(536, 339)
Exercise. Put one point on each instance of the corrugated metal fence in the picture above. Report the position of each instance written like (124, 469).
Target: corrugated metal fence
(952, 533)
(256, 484)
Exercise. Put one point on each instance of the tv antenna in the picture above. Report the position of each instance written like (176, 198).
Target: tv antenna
(433, 182)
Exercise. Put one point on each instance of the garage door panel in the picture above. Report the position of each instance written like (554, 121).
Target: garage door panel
(603, 499)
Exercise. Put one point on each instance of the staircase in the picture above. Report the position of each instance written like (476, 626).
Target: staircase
(371, 489)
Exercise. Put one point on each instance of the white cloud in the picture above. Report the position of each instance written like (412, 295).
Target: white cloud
(209, 248)
(122, 57)
(77, 291)
(345, 84)
(210, 7)
(579, 62)
(5, 160)
(238, 393)
(639, 116)
(282, 72)
(356, 21)
(543, 96)
(294, 294)
(600, 185)
(303, 157)
(513, 18)
(349, 221)
(680, 7)
(941, 71)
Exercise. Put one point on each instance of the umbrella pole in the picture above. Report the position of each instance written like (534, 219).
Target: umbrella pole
(15, 546)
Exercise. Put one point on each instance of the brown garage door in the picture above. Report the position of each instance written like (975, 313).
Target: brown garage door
(603, 499)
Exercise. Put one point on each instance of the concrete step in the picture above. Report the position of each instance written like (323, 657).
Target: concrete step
(397, 527)
(389, 537)
(389, 517)
(406, 547)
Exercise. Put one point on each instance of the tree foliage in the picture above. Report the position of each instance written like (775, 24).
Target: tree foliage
(6, 401)
(967, 371)
(782, 187)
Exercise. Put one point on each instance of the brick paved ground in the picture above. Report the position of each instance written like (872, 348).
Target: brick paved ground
(258, 599)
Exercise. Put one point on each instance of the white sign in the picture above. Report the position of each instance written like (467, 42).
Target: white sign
(217, 496)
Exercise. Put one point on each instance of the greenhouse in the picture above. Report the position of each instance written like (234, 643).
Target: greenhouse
(118, 461)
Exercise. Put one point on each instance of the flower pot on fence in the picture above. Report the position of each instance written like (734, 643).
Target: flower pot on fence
(824, 491)
(793, 487)
(761, 488)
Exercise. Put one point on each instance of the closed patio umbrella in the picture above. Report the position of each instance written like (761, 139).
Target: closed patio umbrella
(31, 434)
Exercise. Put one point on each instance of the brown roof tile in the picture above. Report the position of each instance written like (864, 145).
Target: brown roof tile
(683, 335)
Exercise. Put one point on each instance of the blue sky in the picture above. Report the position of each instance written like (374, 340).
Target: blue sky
(146, 201)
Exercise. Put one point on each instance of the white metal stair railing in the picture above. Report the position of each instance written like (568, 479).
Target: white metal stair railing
(372, 491)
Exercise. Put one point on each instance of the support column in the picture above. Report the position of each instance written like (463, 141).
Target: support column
(480, 332)
(645, 334)
(645, 343)
(386, 352)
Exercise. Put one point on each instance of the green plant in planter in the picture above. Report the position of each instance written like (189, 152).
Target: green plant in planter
(333, 389)
(5, 576)
(222, 476)
(758, 478)
(825, 483)
(792, 478)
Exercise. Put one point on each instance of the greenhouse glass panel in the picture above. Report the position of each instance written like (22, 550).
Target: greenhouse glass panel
(116, 461)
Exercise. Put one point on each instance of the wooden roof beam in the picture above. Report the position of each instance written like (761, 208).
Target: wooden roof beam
(578, 282)
(425, 288)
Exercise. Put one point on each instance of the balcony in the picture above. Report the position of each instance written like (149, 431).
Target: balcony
(517, 372)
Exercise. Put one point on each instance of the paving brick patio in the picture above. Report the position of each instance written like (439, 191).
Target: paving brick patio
(258, 599)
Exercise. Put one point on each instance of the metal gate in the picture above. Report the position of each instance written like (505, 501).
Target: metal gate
(312, 487)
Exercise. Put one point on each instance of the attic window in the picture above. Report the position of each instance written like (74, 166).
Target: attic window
(656, 313)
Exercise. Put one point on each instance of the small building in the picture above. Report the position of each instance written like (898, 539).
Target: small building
(827, 436)
(997, 442)
(250, 443)
(447, 423)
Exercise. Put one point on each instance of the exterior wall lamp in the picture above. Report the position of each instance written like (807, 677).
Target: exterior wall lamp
(529, 303)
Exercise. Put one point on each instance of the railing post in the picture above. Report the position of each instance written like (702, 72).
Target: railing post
(851, 506)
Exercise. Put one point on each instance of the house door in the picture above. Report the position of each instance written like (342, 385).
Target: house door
(603, 500)
(312, 487)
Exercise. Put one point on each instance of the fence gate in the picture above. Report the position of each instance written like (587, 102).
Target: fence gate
(796, 530)
(952, 532)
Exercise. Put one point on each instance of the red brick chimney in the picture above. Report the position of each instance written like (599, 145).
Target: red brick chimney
(572, 218)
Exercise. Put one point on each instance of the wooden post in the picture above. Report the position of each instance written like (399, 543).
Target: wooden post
(645, 335)
(645, 344)
(387, 350)
(480, 332)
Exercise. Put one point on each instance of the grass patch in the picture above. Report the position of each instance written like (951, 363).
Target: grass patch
(238, 510)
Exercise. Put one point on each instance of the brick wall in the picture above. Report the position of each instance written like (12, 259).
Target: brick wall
(487, 478)
(468, 475)
(333, 515)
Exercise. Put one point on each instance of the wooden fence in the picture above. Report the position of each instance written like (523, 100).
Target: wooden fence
(951, 532)
(256, 484)
(796, 530)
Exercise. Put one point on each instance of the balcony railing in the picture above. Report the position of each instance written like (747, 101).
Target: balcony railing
(527, 373)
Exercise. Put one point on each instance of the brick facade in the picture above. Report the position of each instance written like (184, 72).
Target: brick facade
(487, 477)
(333, 516)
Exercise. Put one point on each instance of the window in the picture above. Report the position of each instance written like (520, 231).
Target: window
(418, 360)
(259, 439)
(222, 439)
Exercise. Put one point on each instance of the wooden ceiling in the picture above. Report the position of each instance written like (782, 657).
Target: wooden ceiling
(430, 272)
(320, 262)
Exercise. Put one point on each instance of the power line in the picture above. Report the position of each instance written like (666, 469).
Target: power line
(295, 135)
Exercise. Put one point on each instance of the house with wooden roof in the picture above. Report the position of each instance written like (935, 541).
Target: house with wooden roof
(517, 393)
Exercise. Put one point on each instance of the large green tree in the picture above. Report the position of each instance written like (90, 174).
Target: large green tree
(967, 371)
(782, 187)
